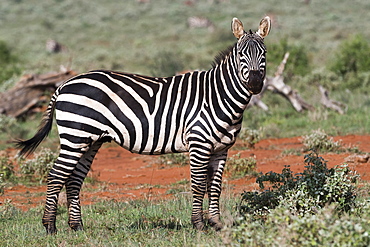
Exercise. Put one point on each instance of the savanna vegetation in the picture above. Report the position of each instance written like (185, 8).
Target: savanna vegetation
(328, 45)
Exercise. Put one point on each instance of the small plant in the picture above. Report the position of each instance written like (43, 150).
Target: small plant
(316, 187)
(2, 184)
(350, 56)
(318, 140)
(251, 136)
(6, 172)
(7, 123)
(174, 159)
(238, 167)
(6, 167)
(38, 168)
(8, 63)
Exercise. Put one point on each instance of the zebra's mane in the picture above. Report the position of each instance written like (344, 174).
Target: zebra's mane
(222, 55)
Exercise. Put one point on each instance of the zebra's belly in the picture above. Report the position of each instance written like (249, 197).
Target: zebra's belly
(161, 147)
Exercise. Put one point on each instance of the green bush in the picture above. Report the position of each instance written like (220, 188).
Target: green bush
(37, 169)
(299, 62)
(282, 228)
(8, 125)
(237, 167)
(7, 122)
(6, 172)
(352, 62)
(251, 136)
(352, 56)
(320, 141)
(316, 187)
(8, 63)
(6, 167)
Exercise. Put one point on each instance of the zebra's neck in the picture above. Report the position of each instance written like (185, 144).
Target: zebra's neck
(225, 89)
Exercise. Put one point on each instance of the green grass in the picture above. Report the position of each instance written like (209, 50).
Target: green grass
(109, 223)
(167, 223)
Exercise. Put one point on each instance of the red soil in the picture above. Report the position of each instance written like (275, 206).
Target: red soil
(125, 176)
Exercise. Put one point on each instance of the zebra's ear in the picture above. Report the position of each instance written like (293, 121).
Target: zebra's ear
(237, 27)
(265, 26)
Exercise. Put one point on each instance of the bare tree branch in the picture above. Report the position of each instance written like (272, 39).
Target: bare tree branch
(331, 104)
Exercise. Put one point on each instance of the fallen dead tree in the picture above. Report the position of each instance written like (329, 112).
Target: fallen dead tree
(276, 84)
(328, 103)
(30, 92)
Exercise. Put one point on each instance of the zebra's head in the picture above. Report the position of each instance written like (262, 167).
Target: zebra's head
(251, 54)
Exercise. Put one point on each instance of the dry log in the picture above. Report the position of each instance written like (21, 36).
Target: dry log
(331, 104)
(30, 91)
(256, 101)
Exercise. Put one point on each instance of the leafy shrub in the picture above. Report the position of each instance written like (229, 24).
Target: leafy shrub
(37, 169)
(240, 167)
(8, 63)
(6, 171)
(7, 123)
(299, 62)
(2, 184)
(352, 56)
(351, 63)
(302, 193)
(251, 136)
(353, 81)
(6, 167)
(282, 228)
(318, 140)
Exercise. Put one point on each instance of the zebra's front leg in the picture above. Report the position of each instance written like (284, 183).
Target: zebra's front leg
(214, 187)
(74, 184)
(199, 159)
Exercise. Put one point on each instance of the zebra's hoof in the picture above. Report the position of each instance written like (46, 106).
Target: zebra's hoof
(197, 221)
(76, 227)
(50, 229)
(199, 226)
(216, 224)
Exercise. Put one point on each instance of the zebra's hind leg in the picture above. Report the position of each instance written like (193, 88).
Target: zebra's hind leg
(73, 186)
(214, 183)
(58, 175)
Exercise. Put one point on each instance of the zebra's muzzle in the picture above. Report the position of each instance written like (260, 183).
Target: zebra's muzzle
(255, 82)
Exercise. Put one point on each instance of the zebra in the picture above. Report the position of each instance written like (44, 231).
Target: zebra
(199, 112)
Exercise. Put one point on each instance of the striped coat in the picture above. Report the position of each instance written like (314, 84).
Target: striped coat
(198, 112)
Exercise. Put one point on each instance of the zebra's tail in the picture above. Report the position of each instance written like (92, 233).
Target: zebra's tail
(28, 146)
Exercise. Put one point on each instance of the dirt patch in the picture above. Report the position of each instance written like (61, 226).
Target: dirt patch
(124, 176)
